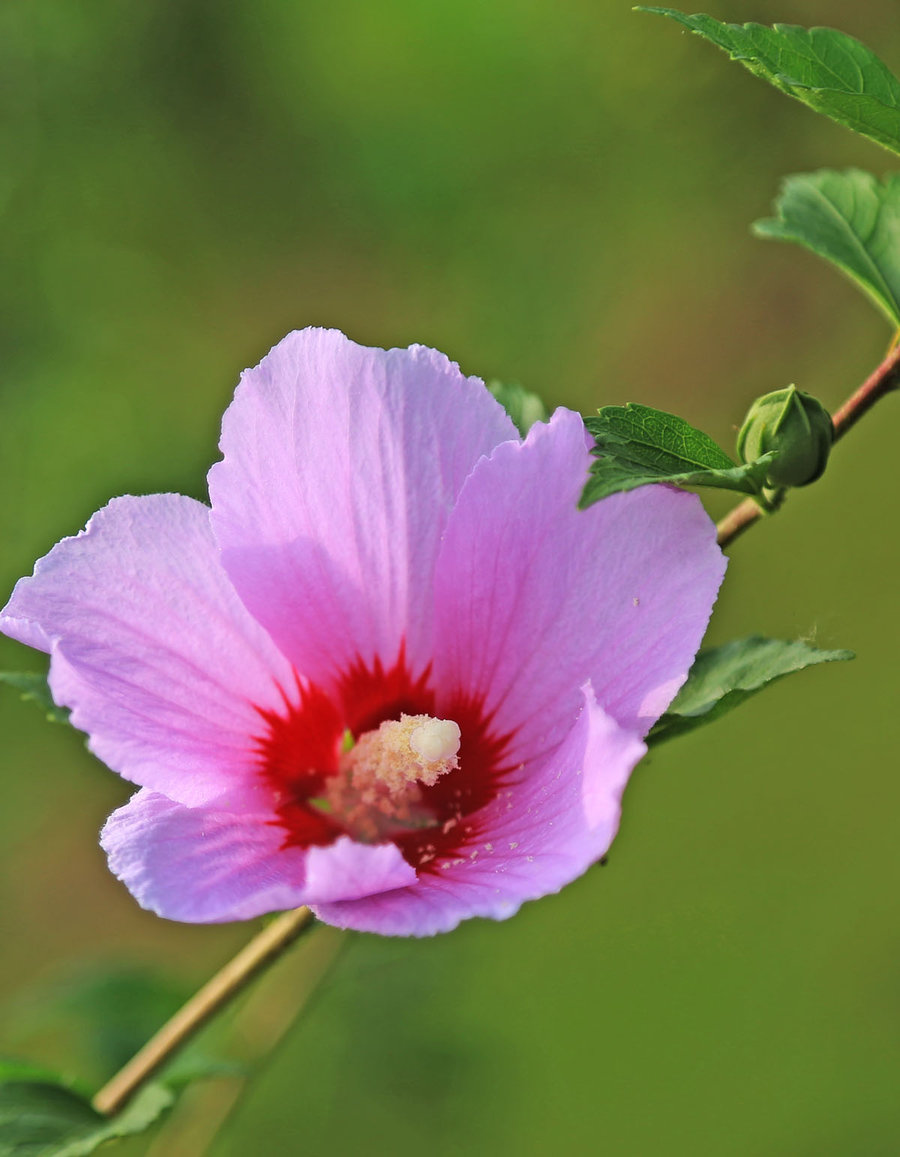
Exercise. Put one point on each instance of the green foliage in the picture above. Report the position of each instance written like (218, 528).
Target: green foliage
(16, 1069)
(107, 1011)
(852, 220)
(723, 677)
(523, 407)
(34, 688)
(637, 445)
(114, 1012)
(41, 1119)
(827, 70)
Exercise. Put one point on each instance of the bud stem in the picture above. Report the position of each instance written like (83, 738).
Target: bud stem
(884, 379)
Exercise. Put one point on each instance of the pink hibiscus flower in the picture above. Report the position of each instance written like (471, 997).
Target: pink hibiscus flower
(394, 672)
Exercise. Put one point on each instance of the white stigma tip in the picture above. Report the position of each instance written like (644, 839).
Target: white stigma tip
(435, 740)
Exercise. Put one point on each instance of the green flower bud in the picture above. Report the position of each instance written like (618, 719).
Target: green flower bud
(797, 426)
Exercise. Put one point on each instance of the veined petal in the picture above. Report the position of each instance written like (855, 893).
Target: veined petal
(539, 835)
(205, 865)
(152, 649)
(227, 861)
(534, 597)
(341, 465)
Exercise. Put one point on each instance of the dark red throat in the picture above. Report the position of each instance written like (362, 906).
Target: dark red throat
(301, 746)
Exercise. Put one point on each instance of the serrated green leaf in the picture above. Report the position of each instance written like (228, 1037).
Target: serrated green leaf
(852, 220)
(49, 1120)
(723, 677)
(637, 445)
(522, 406)
(827, 70)
(34, 688)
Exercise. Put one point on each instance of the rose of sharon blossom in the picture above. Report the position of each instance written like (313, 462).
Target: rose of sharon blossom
(393, 672)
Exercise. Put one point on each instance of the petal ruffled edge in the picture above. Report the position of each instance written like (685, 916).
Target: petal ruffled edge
(226, 861)
(151, 648)
(341, 465)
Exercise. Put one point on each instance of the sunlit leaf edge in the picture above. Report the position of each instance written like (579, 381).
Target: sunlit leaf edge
(788, 225)
(689, 710)
(820, 97)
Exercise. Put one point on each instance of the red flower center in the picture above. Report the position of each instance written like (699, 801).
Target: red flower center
(300, 758)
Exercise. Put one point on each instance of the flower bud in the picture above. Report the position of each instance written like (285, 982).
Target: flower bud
(795, 424)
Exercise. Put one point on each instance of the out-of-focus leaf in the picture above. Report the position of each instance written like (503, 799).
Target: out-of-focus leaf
(38, 1118)
(827, 70)
(34, 688)
(852, 220)
(41, 1119)
(637, 445)
(194, 1065)
(523, 407)
(108, 1013)
(723, 677)
(14, 1069)
(115, 1009)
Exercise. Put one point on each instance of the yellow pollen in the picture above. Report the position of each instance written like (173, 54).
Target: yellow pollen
(378, 788)
(415, 748)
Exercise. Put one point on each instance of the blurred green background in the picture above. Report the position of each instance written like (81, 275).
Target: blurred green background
(554, 193)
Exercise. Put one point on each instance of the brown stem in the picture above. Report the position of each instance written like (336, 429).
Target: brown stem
(737, 520)
(214, 995)
(879, 383)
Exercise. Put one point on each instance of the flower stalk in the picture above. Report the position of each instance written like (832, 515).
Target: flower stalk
(218, 992)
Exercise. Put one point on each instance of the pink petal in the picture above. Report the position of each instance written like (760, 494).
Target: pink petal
(227, 860)
(540, 834)
(534, 597)
(341, 465)
(346, 870)
(206, 864)
(151, 648)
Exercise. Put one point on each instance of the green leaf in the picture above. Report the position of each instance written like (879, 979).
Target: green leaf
(723, 677)
(35, 688)
(38, 1118)
(15, 1069)
(852, 220)
(111, 1009)
(827, 70)
(637, 445)
(49, 1120)
(106, 1013)
(523, 407)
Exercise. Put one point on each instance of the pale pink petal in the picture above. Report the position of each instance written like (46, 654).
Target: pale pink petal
(347, 870)
(538, 835)
(534, 597)
(151, 648)
(341, 465)
(204, 865)
(227, 860)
